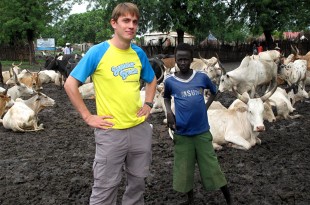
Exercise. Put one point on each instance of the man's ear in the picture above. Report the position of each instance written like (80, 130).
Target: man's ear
(113, 22)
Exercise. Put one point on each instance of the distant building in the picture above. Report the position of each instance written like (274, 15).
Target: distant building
(160, 38)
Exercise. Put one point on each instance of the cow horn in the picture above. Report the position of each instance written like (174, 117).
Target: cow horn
(15, 78)
(220, 64)
(162, 72)
(240, 97)
(203, 60)
(16, 65)
(270, 93)
(297, 50)
(294, 51)
(6, 90)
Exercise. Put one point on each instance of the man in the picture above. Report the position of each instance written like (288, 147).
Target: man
(67, 49)
(122, 135)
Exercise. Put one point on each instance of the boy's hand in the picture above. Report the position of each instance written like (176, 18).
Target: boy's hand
(171, 121)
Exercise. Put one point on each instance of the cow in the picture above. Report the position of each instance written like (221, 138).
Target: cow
(30, 79)
(301, 57)
(53, 63)
(294, 72)
(158, 99)
(239, 126)
(23, 115)
(270, 55)
(209, 66)
(19, 90)
(296, 93)
(282, 106)
(87, 91)
(5, 101)
(251, 74)
(9, 73)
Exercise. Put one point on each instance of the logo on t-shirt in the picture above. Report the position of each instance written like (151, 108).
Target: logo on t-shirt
(189, 93)
(124, 70)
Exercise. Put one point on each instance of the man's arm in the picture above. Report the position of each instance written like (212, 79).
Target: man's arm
(150, 89)
(71, 88)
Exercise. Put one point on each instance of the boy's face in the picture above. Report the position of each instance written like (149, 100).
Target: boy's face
(126, 26)
(183, 59)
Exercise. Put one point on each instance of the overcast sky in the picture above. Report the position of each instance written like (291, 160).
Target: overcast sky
(78, 8)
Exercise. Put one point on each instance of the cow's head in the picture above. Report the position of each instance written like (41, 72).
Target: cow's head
(255, 108)
(225, 83)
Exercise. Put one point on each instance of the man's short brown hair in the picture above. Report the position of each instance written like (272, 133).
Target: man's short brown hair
(125, 8)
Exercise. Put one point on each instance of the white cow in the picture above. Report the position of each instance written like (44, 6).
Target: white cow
(294, 72)
(249, 75)
(282, 104)
(87, 91)
(20, 90)
(23, 115)
(158, 99)
(297, 93)
(238, 126)
(9, 73)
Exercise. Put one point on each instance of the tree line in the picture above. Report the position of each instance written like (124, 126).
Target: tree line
(21, 22)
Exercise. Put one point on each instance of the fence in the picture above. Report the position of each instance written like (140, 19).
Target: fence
(14, 53)
(227, 53)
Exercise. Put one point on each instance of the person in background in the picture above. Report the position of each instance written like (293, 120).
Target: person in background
(277, 48)
(259, 48)
(123, 136)
(67, 49)
(192, 138)
(254, 49)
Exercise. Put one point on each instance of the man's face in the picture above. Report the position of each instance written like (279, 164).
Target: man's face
(125, 27)
(183, 60)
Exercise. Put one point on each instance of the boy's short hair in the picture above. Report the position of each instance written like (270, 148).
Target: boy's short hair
(125, 8)
(184, 47)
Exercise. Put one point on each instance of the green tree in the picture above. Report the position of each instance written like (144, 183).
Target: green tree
(21, 21)
(87, 27)
(268, 16)
(196, 17)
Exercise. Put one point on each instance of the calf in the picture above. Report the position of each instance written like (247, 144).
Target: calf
(23, 115)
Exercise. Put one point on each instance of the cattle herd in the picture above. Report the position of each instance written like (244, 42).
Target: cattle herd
(262, 92)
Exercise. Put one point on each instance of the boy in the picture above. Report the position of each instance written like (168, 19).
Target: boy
(192, 139)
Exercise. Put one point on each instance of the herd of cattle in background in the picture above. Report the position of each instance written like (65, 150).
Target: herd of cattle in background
(266, 87)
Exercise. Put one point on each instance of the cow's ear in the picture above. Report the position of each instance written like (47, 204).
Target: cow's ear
(241, 109)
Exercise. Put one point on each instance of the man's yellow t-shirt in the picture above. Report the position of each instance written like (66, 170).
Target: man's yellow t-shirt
(116, 76)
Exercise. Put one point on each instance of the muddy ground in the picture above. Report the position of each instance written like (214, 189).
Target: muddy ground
(53, 166)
